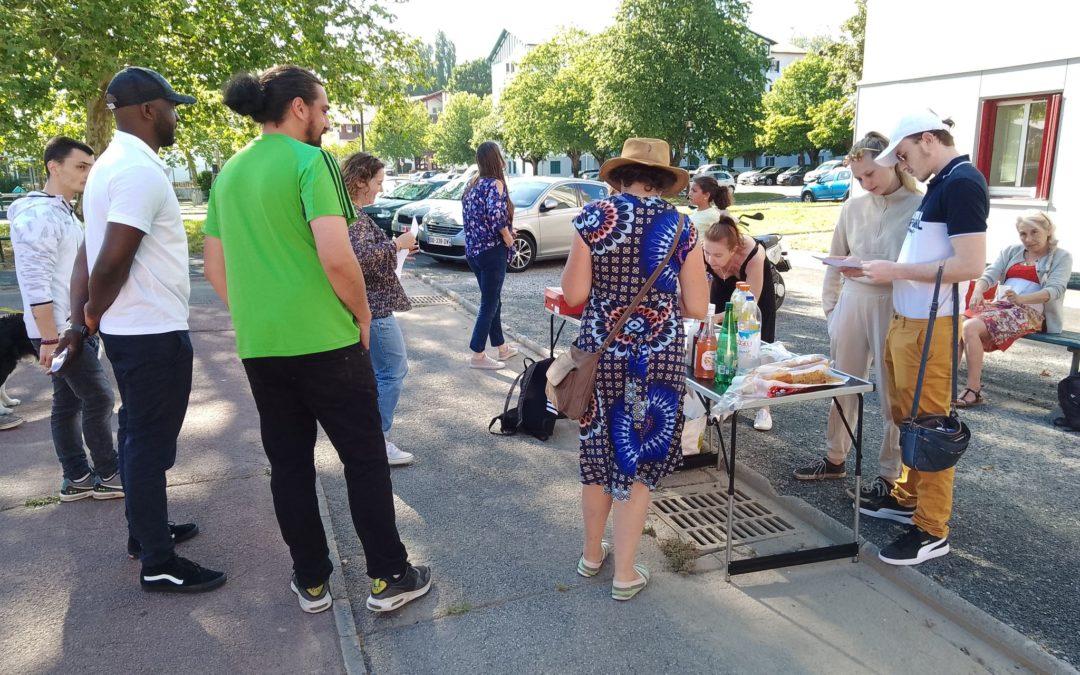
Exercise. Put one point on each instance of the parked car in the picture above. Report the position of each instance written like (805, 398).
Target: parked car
(707, 168)
(721, 176)
(768, 175)
(833, 185)
(591, 174)
(822, 169)
(544, 207)
(793, 176)
(383, 209)
(745, 176)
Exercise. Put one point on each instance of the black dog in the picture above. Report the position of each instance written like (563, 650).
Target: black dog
(15, 346)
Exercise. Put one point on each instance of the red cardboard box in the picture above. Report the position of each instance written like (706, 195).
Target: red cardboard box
(554, 300)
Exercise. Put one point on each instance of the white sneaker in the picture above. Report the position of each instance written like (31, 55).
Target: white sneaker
(398, 457)
(763, 420)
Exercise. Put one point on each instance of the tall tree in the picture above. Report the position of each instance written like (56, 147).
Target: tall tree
(473, 77)
(789, 108)
(546, 106)
(399, 132)
(452, 135)
(846, 55)
(445, 60)
(71, 48)
(686, 71)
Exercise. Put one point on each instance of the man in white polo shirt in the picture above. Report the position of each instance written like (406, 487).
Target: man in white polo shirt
(136, 294)
(948, 229)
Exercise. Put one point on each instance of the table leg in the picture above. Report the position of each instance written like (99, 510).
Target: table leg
(858, 474)
(730, 496)
(551, 336)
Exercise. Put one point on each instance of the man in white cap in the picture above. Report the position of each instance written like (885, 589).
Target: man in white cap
(949, 229)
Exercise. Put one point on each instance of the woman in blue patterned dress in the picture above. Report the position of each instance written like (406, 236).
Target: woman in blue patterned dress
(488, 217)
(630, 438)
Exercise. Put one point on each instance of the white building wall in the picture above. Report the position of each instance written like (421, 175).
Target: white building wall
(946, 56)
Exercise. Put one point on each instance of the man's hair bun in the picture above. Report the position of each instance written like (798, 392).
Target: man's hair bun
(244, 95)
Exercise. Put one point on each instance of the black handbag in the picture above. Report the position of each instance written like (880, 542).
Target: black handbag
(935, 442)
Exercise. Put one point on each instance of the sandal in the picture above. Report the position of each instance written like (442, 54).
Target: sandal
(623, 593)
(962, 402)
(587, 570)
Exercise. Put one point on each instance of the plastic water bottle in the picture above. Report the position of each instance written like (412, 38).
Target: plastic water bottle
(727, 352)
(749, 335)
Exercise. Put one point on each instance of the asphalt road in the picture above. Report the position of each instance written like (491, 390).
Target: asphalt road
(1015, 527)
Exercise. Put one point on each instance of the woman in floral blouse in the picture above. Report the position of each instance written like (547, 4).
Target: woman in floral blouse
(377, 253)
(488, 215)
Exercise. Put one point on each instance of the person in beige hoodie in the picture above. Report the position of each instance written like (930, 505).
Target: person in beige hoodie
(872, 226)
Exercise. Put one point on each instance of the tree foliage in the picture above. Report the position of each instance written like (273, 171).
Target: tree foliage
(399, 131)
(687, 71)
(546, 106)
(473, 77)
(846, 55)
(452, 135)
(60, 55)
(445, 60)
(800, 92)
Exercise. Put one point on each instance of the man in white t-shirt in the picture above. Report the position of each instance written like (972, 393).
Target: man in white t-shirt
(131, 283)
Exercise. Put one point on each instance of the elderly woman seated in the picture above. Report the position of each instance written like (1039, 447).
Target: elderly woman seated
(1031, 279)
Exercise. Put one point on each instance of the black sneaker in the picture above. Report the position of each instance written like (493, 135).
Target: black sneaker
(180, 533)
(180, 575)
(74, 490)
(315, 599)
(820, 469)
(875, 489)
(914, 547)
(888, 508)
(387, 594)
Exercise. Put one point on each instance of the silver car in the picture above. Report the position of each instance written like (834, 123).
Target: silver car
(544, 207)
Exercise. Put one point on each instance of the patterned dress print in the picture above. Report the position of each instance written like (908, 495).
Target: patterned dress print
(485, 213)
(632, 429)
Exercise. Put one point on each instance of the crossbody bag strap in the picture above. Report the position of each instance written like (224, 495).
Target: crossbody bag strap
(955, 344)
(644, 289)
(926, 345)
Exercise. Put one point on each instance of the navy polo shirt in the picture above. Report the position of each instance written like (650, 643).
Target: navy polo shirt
(956, 204)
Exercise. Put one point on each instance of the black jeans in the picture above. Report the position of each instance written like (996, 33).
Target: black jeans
(490, 270)
(153, 374)
(337, 389)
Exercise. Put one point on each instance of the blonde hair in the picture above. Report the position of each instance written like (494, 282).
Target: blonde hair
(872, 145)
(1041, 220)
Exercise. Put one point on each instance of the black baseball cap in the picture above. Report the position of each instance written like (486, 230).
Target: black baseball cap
(134, 85)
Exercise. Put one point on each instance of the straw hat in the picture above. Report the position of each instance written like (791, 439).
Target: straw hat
(646, 152)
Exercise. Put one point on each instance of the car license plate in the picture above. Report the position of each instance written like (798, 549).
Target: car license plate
(398, 226)
(439, 241)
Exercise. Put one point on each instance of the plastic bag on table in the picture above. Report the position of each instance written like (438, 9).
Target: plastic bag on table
(772, 352)
(757, 384)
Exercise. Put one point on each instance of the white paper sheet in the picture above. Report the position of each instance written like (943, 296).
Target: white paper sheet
(404, 253)
(836, 261)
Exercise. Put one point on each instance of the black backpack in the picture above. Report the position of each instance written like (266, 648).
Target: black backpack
(1069, 398)
(533, 414)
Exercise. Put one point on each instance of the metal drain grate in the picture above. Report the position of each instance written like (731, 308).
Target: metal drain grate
(426, 300)
(700, 514)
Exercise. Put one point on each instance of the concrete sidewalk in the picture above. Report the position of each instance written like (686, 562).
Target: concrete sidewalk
(70, 599)
(496, 518)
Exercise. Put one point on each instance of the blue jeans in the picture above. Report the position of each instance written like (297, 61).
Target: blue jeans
(82, 409)
(153, 374)
(490, 270)
(391, 365)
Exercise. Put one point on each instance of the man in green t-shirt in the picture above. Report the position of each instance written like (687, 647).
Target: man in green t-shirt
(277, 252)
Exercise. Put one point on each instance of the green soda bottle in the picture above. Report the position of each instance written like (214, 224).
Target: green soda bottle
(727, 352)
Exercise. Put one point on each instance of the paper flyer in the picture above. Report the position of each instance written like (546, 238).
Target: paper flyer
(836, 261)
(404, 253)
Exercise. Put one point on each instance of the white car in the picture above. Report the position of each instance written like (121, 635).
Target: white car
(721, 176)
(822, 169)
(707, 168)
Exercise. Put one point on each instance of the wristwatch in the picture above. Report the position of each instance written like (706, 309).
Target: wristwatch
(80, 329)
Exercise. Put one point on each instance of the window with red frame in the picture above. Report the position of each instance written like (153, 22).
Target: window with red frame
(1016, 144)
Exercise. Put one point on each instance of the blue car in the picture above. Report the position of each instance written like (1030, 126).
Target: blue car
(835, 185)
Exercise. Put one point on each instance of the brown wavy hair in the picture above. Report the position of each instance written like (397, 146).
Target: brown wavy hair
(359, 169)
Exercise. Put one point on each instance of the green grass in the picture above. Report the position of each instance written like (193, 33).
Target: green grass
(806, 226)
(38, 502)
(193, 227)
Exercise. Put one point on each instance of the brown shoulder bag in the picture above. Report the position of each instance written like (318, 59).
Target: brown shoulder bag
(571, 378)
